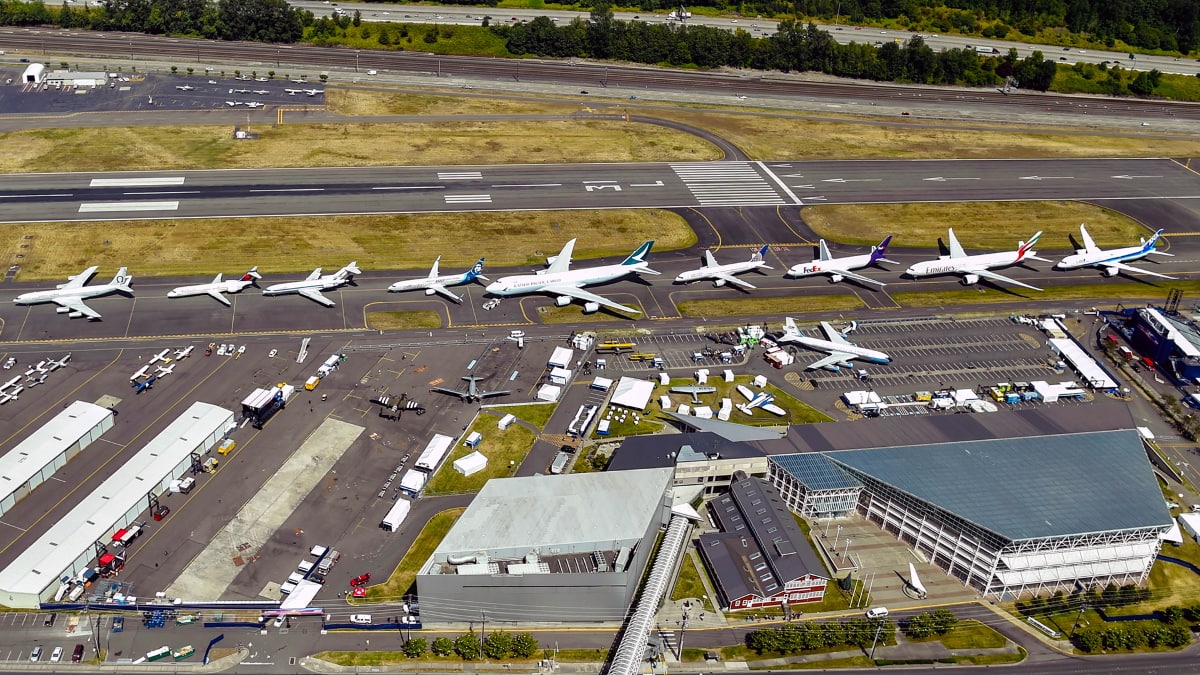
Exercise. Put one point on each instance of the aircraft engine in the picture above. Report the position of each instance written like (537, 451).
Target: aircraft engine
(836, 277)
(970, 279)
(74, 315)
(429, 291)
(591, 307)
(61, 310)
(718, 282)
(562, 300)
(1111, 271)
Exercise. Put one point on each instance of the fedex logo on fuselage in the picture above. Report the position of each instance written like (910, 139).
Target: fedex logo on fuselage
(810, 269)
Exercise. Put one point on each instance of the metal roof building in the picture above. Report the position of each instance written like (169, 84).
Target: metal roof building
(813, 486)
(704, 462)
(68, 545)
(1019, 515)
(547, 548)
(49, 448)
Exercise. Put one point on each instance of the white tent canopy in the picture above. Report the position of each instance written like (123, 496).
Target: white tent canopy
(472, 463)
(633, 393)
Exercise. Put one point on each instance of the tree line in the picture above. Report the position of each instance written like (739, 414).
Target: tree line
(792, 638)
(252, 20)
(468, 647)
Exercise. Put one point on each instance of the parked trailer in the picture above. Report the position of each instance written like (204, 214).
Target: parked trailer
(158, 654)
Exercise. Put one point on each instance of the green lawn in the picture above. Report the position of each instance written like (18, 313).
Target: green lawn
(404, 320)
(537, 414)
(401, 580)
(991, 659)
(505, 449)
(689, 584)
(577, 655)
(755, 306)
(973, 635)
(848, 662)
(798, 412)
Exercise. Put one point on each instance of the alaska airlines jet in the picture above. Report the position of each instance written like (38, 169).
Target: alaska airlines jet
(435, 284)
(841, 352)
(312, 286)
(974, 267)
(1112, 261)
(724, 274)
(218, 288)
(567, 285)
(70, 296)
(839, 268)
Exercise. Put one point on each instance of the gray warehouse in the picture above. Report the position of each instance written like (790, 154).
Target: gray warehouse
(548, 548)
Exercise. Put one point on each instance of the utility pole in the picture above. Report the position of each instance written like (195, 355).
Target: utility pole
(874, 642)
(1082, 609)
(682, 629)
(482, 627)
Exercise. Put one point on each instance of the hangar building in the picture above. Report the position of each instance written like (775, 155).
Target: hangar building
(34, 73)
(1010, 516)
(548, 548)
(704, 462)
(69, 545)
(48, 449)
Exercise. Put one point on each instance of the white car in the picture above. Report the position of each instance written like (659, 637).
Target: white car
(272, 353)
(360, 618)
(372, 72)
(279, 621)
(877, 613)
(56, 655)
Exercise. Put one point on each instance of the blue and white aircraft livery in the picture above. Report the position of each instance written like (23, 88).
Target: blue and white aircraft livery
(841, 352)
(70, 296)
(724, 274)
(435, 284)
(312, 286)
(974, 267)
(839, 268)
(1112, 261)
(566, 284)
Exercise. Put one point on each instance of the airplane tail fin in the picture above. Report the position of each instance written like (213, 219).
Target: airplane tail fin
(252, 275)
(350, 270)
(789, 326)
(879, 253)
(1024, 247)
(476, 271)
(638, 257)
(825, 254)
(1148, 245)
(759, 255)
(123, 281)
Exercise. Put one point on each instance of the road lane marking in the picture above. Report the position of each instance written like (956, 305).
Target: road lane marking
(102, 207)
(520, 185)
(165, 192)
(137, 182)
(289, 190)
(410, 187)
(61, 194)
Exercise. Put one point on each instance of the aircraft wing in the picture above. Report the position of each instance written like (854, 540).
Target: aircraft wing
(859, 277)
(730, 279)
(831, 334)
(835, 359)
(988, 274)
(562, 261)
(773, 409)
(452, 392)
(446, 292)
(588, 296)
(315, 295)
(1133, 270)
(76, 305)
(314, 275)
(490, 394)
(80, 279)
(219, 297)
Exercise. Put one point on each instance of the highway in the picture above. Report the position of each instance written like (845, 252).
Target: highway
(366, 190)
(592, 77)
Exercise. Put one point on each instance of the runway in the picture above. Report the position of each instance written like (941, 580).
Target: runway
(372, 190)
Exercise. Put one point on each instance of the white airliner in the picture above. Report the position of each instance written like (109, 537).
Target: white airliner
(974, 267)
(217, 288)
(70, 296)
(567, 285)
(839, 268)
(1112, 261)
(435, 284)
(724, 274)
(184, 353)
(161, 356)
(841, 352)
(312, 286)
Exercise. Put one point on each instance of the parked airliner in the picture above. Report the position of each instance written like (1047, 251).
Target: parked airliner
(312, 286)
(839, 268)
(724, 274)
(70, 296)
(217, 288)
(434, 284)
(974, 267)
(559, 280)
(1112, 261)
(841, 352)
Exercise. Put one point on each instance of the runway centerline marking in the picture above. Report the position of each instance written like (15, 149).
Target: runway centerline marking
(289, 190)
(61, 194)
(101, 207)
(167, 192)
(518, 185)
(137, 182)
(410, 187)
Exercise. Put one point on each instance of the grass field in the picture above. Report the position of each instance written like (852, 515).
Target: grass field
(401, 580)
(404, 320)
(754, 306)
(363, 102)
(537, 414)
(577, 655)
(985, 294)
(798, 412)
(689, 585)
(985, 225)
(573, 313)
(353, 144)
(973, 635)
(203, 247)
(505, 449)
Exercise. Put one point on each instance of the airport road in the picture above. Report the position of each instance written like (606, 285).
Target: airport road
(279, 192)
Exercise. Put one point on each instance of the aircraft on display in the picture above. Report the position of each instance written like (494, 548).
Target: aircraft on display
(841, 352)
(184, 353)
(239, 91)
(140, 373)
(292, 92)
(11, 383)
(694, 391)
(254, 104)
(70, 296)
(974, 267)
(435, 284)
(233, 103)
(148, 383)
(839, 268)
(11, 396)
(216, 288)
(760, 400)
(261, 92)
(55, 365)
(163, 371)
(186, 87)
(472, 393)
(161, 356)
(312, 286)
(1112, 261)
(914, 584)
(559, 280)
(724, 274)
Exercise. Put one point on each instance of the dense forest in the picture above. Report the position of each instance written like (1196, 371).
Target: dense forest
(255, 20)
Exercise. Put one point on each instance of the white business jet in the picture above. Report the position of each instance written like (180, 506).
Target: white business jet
(839, 268)
(70, 296)
(566, 284)
(217, 288)
(312, 286)
(1112, 261)
(724, 274)
(437, 284)
(974, 267)
(841, 352)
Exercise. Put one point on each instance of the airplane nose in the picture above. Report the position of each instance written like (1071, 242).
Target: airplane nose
(494, 287)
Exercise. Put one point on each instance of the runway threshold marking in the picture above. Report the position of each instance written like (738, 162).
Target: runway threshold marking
(779, 181)
(104, 207)
(137, 182)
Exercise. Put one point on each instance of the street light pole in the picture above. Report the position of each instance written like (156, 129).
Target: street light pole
(356, 60)
(839, 13)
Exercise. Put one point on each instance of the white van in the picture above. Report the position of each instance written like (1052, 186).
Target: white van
(877, 613)
(360, 618)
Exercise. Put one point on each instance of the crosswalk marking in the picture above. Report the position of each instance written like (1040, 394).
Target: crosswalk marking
(727, 184)
(460, 175)
(468, 199)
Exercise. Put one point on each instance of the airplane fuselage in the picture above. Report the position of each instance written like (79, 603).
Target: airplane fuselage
(297, 286)
(228, 286)
(971, 263)
(830, 347)
(38, 297)
(830, 266)
(426, 283)
(710, 272)
(536, 283)
(1085, 259)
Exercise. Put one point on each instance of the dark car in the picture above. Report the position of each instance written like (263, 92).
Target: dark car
(77, 655)
(318, 578)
